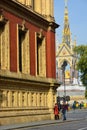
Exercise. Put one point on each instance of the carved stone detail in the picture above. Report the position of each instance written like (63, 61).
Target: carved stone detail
(4, 46)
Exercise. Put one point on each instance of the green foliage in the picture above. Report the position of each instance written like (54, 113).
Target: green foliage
(82, 62)
(86, 94)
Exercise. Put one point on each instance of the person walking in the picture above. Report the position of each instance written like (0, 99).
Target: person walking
(56, 111)
(74, 105)
(64, 109)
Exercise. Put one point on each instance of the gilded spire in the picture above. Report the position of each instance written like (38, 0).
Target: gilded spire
(66, 1)
(66, 30)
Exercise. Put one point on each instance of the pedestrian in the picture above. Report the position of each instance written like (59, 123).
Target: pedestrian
(64, 109)
(74, 105)
(80, 105)
(56, 111)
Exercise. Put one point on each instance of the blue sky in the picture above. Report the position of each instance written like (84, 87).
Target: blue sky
(77, 10)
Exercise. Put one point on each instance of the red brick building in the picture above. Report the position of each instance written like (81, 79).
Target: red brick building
(27, 61)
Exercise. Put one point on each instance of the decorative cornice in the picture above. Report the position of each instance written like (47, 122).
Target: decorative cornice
(19, 77)
(2, 17)
(26, 13)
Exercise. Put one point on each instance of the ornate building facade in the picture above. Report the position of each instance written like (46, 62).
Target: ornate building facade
(66, 54)
(27, 60)
(67, 73)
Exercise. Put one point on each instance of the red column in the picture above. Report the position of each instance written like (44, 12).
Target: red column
(51, 57)
(13, 47)
(32, 53)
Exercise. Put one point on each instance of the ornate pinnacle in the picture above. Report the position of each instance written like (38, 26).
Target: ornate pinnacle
(66, 1)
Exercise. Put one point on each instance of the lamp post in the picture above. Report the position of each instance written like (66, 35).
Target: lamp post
(63, 71)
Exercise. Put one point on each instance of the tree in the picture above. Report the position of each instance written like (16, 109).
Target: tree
(82, 63)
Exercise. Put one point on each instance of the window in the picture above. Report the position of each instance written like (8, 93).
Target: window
(23, 51)
(39, 43)
(21, 39)
(40, 55)
(4, 45)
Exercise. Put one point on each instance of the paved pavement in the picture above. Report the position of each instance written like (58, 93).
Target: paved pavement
(38, 123)
(32, 124)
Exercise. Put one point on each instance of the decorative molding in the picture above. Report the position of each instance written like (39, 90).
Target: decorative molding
(40, 34)
(2, 18)
(23, 25)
